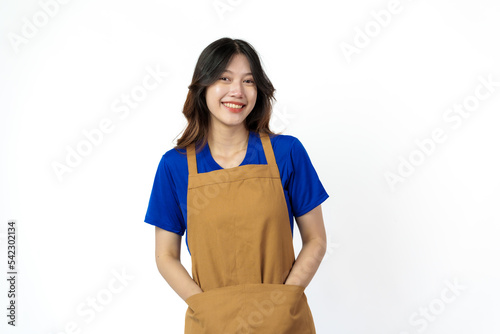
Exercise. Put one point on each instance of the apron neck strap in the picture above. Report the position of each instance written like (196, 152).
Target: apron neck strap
(268, 149)
(191, 158)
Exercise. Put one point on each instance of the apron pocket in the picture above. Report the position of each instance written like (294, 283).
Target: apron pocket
(250, 308)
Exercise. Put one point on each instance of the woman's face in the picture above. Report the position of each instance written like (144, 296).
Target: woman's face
(233, 89)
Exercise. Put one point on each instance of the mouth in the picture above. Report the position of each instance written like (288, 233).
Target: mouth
(234, 107)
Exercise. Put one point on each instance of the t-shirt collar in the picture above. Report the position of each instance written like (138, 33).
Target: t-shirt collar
(205, 153)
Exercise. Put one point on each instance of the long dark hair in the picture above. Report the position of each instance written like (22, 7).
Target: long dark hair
(211, 63)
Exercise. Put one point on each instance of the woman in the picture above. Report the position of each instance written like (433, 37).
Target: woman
(234, 187)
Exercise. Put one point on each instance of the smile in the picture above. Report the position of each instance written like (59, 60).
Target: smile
(233, 106)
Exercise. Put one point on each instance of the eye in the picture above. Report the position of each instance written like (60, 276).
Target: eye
(223, 78)
(250, 81)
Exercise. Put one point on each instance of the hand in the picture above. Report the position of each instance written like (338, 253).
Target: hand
(291, 282)
(195, 293)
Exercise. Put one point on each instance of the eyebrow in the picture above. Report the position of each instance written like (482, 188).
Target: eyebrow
(249, 73)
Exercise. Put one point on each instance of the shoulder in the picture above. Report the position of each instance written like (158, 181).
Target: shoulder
(175, 154)
(286, 144)
(282, 141)
(174, 159)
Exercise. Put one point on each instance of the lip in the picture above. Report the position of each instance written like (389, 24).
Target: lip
(234, 102)
(233, 109)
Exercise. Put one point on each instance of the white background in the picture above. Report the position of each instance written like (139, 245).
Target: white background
(393, 250)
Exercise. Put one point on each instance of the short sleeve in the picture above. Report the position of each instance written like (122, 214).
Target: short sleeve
(164, 210)
(305, 188)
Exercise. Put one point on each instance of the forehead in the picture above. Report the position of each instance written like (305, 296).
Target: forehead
(239, 64)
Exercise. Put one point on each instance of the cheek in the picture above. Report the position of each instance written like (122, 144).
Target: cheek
(217, 92)
(210, 95)
(251, 95)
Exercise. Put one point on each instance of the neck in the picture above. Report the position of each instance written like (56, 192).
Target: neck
(226, 141)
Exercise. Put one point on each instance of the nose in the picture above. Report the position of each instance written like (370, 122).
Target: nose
(236, 89)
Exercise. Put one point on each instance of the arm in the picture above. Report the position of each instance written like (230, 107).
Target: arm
(167, 253)
(312, 232)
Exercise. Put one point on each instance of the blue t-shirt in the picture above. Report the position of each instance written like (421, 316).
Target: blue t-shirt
(303, 190)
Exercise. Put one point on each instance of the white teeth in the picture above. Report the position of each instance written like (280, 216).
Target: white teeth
(234, 106)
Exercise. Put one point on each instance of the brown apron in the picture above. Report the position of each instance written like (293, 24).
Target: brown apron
(241, 246)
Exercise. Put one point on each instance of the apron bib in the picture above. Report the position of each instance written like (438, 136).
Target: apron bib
(241, 245)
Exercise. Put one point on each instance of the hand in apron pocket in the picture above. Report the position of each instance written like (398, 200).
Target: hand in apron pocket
(250, 308)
